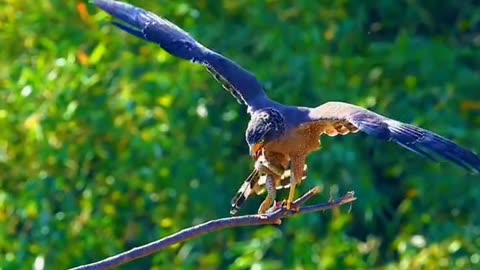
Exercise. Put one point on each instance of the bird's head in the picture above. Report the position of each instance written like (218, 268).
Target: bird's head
(266, 125)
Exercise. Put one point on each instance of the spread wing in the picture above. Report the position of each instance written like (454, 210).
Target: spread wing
(242, 84)
(335, 118)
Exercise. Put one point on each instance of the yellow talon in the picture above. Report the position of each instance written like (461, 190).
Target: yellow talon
(291, 196)
(289, 205)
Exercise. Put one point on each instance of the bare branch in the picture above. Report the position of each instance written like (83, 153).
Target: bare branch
(273, 217)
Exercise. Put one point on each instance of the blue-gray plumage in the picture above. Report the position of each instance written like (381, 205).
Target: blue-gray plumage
(265, 125)
(290, 132)
(171, 38)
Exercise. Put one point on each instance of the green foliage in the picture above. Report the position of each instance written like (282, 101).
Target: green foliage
(108, 143)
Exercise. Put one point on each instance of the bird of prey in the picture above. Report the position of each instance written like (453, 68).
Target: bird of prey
(289, 133)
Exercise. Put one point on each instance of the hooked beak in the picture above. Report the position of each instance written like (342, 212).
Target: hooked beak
(256, 150)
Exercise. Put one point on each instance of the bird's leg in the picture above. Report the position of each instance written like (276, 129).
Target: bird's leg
(271, 194)
(293, 182)
(296, 171)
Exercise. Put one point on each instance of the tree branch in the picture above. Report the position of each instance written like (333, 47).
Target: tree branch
(273, 217)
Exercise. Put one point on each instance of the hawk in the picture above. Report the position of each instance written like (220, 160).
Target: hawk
(283, 135)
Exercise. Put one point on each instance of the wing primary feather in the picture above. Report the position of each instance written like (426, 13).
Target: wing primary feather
(418, 151)
(449, 150)
(415, 139)
(128, 29)
(226, 85)
(143, 24)
(127, 13)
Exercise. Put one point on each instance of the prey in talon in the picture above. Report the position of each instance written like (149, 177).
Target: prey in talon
(270, 173)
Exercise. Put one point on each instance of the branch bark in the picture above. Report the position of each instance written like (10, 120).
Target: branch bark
(273, 217)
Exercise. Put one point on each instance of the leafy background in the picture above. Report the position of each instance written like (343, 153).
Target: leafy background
(108, 143)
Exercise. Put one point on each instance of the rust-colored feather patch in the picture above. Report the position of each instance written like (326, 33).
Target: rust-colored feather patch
(338, 128)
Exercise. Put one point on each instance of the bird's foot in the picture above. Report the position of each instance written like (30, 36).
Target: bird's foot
(271, 193)
(290, 206)
(276, 205)
(270, 211)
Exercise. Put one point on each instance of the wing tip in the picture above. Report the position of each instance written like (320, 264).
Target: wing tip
(451, 151)
(432, 146)
(133, 17)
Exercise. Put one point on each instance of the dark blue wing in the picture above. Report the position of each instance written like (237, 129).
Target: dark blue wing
(418, 140)
(143, 24)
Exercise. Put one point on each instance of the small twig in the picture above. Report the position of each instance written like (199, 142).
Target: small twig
(216, 225)
(347, 198)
